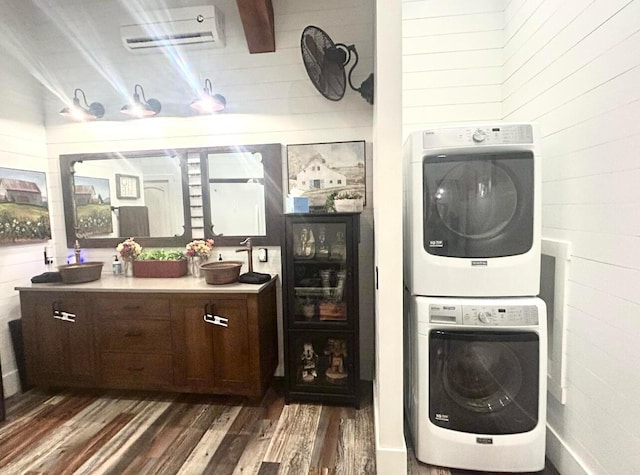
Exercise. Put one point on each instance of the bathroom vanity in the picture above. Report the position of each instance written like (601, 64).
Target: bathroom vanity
(175, 334)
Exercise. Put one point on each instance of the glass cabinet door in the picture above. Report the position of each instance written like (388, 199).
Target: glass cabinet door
(321, 275)
(321, 362)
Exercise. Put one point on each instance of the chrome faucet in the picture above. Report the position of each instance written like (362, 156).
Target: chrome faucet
(249, 250)
(77, 250)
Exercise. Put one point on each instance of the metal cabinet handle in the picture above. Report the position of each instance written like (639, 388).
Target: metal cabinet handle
(216, 320)
(209, 316)
(136, 369)
(131, 307)
(61, 314)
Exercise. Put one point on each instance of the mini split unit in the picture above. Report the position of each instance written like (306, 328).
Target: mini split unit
(202, 26)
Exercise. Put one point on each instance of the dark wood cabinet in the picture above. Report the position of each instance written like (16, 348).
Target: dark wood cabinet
(213, 355)
(58, 338)
(321, 313)
(133, 334)
(215, 343)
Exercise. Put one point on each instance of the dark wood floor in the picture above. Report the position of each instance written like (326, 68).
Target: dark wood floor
(121, 432)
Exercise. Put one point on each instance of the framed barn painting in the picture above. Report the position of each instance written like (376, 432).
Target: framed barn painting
(93, 206)
(24, 207)
(327, 173)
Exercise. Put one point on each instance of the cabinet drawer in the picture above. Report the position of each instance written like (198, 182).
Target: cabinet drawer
(135, 335)
(133, 370)
(150, 307)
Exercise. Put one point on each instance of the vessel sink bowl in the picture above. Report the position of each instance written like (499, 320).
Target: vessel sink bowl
(79, 273)
(224, 272)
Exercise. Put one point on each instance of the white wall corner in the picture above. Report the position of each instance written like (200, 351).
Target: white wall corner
(387, 186)
(561, 455)
(389, 460)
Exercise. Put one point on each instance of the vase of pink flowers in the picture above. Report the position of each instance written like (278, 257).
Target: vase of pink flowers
(128, 250)
(198, 252)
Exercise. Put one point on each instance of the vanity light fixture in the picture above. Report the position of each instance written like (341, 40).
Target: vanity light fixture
(209, 102)
(141, 108)
(92, 111)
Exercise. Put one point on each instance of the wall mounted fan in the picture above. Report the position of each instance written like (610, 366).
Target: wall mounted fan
(326, 61)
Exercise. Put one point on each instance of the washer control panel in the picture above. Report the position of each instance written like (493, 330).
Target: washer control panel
(478, 135)
(484, 315)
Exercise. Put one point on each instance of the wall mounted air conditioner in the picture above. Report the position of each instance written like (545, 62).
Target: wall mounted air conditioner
(202, 26)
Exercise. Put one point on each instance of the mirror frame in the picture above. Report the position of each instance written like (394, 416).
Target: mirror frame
(272, 163)
(67, 172)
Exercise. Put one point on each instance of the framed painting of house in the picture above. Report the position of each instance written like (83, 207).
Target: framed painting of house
(93, 206)
(326, 171)
(24, 208)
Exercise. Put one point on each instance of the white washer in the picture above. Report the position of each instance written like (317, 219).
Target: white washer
(472, 211)
(476, 376)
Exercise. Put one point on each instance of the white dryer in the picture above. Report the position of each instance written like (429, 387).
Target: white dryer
(472, 211)
(476, 372)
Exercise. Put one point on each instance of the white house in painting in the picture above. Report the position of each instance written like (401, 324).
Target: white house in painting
(318, 175)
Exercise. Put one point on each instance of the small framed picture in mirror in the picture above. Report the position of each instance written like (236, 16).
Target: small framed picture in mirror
(127, 187)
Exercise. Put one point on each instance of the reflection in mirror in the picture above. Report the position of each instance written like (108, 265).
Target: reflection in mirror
(109, 197)
(236, 193)
(143, 188)
(242, 193)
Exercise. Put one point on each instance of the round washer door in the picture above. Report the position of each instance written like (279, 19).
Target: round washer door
(484, 382)
(482, 376)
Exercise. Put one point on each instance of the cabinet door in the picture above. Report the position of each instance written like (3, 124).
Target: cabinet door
(322, 364)
(321, 272)
(210, 356)
(59, 343)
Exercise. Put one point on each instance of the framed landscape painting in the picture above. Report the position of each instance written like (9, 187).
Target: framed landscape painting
(24, 206)
(325, 171)
(93, 206)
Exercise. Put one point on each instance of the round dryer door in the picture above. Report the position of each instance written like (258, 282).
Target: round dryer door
(476, 200)
(478, 205)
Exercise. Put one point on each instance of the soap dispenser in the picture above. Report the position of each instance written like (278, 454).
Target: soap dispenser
(117, 266)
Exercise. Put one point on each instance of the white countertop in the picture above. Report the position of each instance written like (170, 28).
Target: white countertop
(119, 283)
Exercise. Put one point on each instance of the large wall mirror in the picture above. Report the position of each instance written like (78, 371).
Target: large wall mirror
(242, 186)
(109, 197)
(230, 192)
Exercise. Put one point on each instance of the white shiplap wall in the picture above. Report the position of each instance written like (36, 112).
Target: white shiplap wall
(269, 98)
(573, 67)
(22, 146)
(452, 61)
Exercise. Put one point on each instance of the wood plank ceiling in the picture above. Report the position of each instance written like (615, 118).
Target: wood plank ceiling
(257, 21)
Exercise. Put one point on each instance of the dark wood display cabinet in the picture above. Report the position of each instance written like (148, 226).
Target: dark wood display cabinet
(321, 315)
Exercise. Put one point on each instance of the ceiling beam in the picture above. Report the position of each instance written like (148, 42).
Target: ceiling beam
(257, 21)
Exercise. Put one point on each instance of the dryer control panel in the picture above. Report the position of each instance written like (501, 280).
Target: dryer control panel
(477, 135)
(484, 315)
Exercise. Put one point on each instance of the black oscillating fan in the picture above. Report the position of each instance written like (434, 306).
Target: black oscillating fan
(325, 62)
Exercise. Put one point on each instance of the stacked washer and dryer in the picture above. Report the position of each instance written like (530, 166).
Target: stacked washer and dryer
(475, 332)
